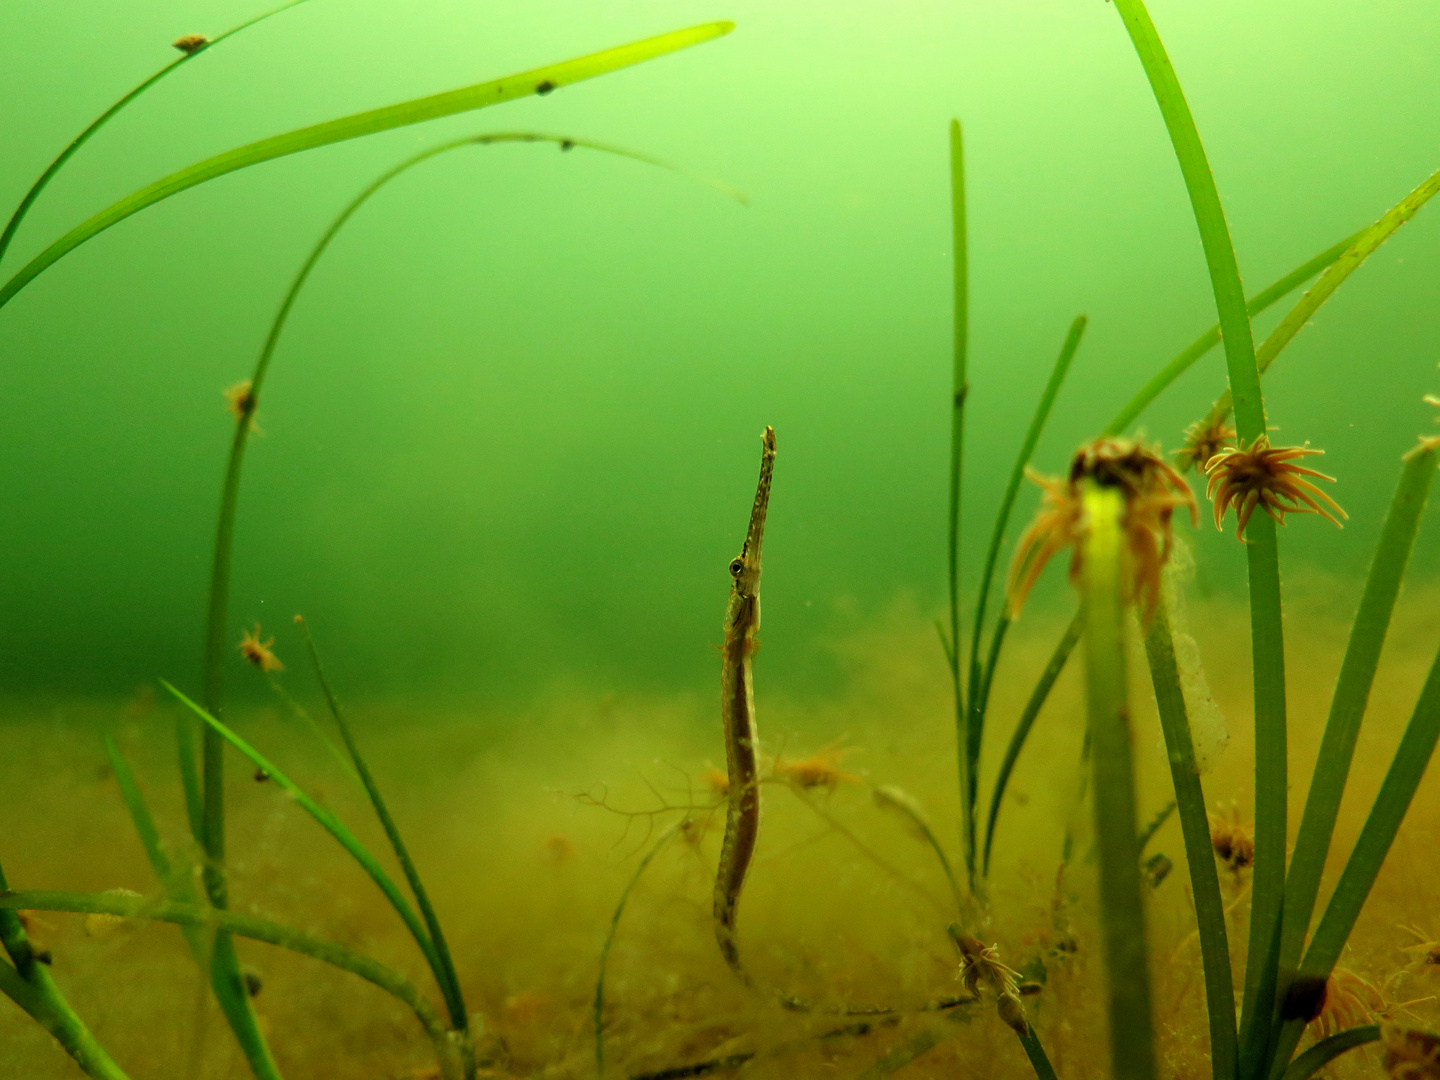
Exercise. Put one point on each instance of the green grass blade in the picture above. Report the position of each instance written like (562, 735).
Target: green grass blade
(1406, 770)
(1266, 631)
(1364, 244)
(1398, 788)
(331, 824)
(980, 678)
(30, 986)
(1039, 1060)
(1052, 671)
(1327, 1050)
(598, 1009)
(1195, 828)
(540, 80)
(139, 813)
(202, 918)
(1352, 693)
(450, 983)
(1261, 301)
(1122, 908)
(109, 114)
(960, 390)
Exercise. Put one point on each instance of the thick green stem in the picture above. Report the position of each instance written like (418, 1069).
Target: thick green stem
(1352, 693)
(1195, 828)
(1122, 910)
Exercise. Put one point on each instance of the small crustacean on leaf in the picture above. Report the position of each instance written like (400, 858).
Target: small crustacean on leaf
(190, 44)
(260, 653)
(1410, 1053)
(1153, 490)
(1203, 440)
(1268, 477)
(240, 400)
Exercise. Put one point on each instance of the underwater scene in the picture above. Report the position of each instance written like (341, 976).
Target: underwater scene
(407, 407)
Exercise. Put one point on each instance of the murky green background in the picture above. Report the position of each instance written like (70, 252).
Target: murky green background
(511, 434)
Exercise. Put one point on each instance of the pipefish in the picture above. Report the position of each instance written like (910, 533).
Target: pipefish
(742, 751)
(737, 708)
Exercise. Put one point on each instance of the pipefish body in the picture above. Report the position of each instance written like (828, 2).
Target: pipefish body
(737, 704)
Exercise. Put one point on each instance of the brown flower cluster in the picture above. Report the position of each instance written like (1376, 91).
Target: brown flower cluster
(1152, 488)
(1268, 477)
(1203, 440)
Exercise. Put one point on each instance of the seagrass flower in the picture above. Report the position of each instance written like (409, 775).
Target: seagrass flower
(1268, 477)
(1203, 440)
(1152, 490)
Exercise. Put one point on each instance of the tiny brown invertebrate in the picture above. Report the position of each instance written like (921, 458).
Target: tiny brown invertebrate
(1233, 842)
(190, 44)
(259, 653)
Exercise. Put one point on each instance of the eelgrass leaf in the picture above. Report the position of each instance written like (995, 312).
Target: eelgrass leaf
(1266, 629)
(331, 824)
(980, 678)
(1195, 829)
(1028, 715)
(1258, 303)
(29, 984)
(1352, 693)
(109, 114)
(1122, 907)
(450, 983)
(537, 81)
(200, 918)
(1328, 1049)
(959, 391)
(598, 1009)
(1407, 769)
(1364, 244)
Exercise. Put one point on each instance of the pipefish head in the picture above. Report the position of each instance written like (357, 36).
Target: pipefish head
(745, 567)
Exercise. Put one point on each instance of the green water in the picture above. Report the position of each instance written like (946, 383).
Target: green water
(511, 432)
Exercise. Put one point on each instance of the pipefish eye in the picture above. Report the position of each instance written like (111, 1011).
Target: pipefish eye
(737, 566)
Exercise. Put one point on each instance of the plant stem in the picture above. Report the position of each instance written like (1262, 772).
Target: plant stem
(1364, 244)
(449, 981)
(1195, 828)
(598, 1010)
(1407, 769)
(1052, 671)
(477, 96)
(201, 917)
(1352, 693)
(1208, 340)
(30, 986)
(1266, 631)
(1122, 911)
(960, 389)
(104, 118)
(981, 677)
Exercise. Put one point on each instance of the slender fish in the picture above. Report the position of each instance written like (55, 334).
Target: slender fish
(737, 705)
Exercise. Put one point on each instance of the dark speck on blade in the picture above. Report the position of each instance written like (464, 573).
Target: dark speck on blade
(544, 88)
(567, 144)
